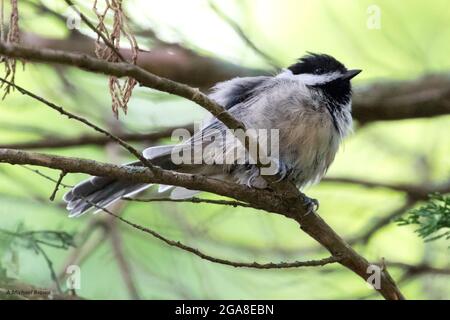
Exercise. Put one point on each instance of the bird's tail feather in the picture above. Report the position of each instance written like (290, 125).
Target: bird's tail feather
(99, 192)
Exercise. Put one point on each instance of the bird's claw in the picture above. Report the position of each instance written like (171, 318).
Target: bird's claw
(311, 205)
(283, 171)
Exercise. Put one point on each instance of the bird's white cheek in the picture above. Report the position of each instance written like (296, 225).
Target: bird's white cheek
(308, 78)
(314, 79)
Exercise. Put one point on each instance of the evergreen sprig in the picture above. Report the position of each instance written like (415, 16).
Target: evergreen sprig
(433, 218)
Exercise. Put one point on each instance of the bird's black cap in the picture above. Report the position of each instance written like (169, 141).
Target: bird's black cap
(317, 63)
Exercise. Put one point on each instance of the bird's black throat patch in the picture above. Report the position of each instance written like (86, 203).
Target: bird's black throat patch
(338, 92)
(337, 95)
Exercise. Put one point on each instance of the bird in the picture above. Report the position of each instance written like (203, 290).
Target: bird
(308, 104)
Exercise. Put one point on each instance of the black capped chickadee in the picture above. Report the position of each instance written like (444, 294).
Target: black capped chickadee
(308, 104)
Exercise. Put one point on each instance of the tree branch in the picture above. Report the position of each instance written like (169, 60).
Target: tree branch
(255, 265)
(70, 115)
(168, 60)
(58, 183)
(144, 77)
(290, 206)
(424, 97)
(134, 174)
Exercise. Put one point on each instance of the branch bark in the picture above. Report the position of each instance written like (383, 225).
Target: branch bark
(288, 205)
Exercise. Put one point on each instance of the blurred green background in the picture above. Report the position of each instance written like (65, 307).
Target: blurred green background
(413, 40)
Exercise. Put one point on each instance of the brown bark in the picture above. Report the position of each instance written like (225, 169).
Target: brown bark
(289, 205)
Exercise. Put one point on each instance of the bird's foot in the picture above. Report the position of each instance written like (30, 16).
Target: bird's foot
(283, 171)
(311, 205)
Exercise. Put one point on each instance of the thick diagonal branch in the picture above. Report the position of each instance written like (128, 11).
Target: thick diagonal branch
(290, 207)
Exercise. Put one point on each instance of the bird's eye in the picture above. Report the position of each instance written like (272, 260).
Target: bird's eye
(318, 71)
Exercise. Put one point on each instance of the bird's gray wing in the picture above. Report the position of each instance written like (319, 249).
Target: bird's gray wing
(210, 143)
(235, 91)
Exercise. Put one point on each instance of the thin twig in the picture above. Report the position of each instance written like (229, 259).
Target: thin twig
(144, 77)
(193, 200)
(70, 115)
(58, 183)
(46, 177)
(178, 244)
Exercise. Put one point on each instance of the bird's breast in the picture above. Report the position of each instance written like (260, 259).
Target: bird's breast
(308, 144)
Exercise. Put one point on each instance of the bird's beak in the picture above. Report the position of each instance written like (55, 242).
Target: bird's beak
(351, 74)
